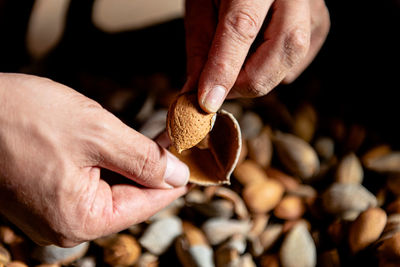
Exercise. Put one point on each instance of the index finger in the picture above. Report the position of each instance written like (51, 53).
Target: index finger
(239, 23)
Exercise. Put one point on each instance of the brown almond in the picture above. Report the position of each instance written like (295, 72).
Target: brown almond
(393, 207)
(374, 153)
(325, 147)
(393, 183)
(260, 148)
(289, 182)
(390, 247)
(249, 172)
(388, 163)
(355, 137)
(304, 122)
(250, 124)
(187, 123)
(366, 229)
(192, 247)
(329, 258)
(263, 196)
(193, 234)
(123, 250)
(16, 264)
(270, 260)
(290, 208)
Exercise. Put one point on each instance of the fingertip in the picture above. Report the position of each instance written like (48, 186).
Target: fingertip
(176, 172)
(212, 100)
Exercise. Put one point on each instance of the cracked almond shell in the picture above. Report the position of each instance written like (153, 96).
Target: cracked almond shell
(214, 159)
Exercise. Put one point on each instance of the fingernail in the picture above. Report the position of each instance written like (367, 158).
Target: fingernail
(213, 100)
(176, 173)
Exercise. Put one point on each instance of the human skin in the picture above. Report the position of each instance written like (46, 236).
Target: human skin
(220, 33)
(54, 143)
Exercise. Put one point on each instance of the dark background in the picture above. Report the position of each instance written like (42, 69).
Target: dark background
(354, 77)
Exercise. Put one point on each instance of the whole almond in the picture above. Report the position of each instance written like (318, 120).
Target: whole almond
(366, 229)
(290, 208)
(250, 124)
(297, 155)
(269, 260)
(270, 235)
(393, 207)
(16, 264)
(298, 248)
(393, 183)
(374, 153)
(289, 182)
(304, 122)
(390, 248)
(218, 230)
(349, 170)
(249, 172)
(388, 163)
(329, 258)
(5, 256)
(340, 198)
(123, 250)
(263, 196)
(53, 254)
(325, 147)
(260, 148)
(161, 234)
(192, 247)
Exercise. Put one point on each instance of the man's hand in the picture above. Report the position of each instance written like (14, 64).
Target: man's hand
(249, 46)
(53, 143)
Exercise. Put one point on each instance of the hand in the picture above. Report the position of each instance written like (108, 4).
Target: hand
(223, 51)
(53, 142)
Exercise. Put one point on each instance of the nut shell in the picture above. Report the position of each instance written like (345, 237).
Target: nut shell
(213, 165)
(187, 123)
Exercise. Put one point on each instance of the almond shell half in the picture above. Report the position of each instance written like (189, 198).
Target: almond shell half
(213, 163)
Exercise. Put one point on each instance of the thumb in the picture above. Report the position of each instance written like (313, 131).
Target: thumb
(139, 158)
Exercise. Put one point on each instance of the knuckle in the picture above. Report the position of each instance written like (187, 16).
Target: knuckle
(260, 87)
(295, 46)
(244, 25)
(147, 164)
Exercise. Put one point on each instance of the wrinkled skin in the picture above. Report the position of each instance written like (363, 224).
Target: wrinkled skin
(219, 36)
(53, 143)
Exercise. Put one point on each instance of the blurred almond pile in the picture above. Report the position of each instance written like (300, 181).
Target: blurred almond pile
(308, 190)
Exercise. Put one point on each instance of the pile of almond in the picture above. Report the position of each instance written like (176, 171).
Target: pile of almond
(301, 190)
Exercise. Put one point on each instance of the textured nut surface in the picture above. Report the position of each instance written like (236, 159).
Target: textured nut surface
(214, 164)
(187, 123)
